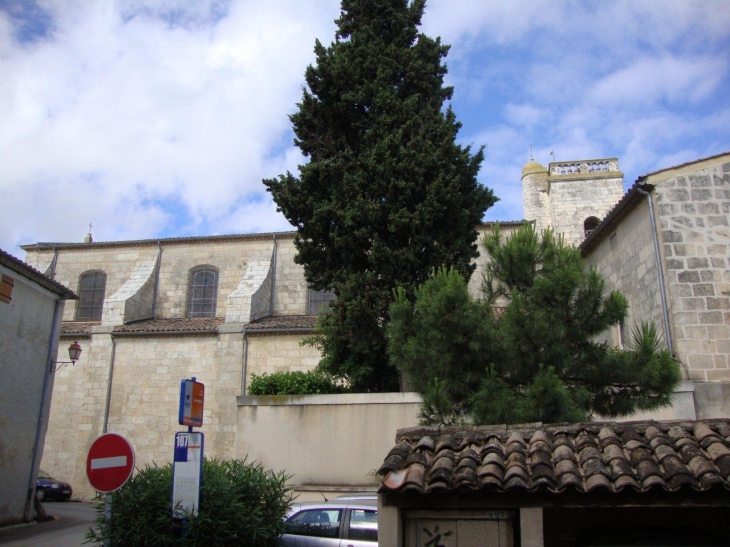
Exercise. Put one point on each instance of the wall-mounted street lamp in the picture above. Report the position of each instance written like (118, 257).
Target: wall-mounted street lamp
(74, 352)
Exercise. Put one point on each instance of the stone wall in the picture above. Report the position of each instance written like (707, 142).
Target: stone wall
(77, 413)
(535, 197)
(693, 208)
(574, 198)
(290, 288)
(230, 258)
(147, 371)
(626, 260)
(475, 282)
(278, 353)
(123, 263)
(118, 263)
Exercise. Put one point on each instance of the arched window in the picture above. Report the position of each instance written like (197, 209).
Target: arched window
(203, 292)
(319, 300)
(590, 224)
(91, 296)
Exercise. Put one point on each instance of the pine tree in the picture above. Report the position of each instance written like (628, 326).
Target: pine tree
(530, 350)
(387, 194)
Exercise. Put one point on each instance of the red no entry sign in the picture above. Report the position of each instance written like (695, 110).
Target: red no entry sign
(110, 462)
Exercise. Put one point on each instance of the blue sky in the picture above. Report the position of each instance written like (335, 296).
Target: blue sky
(159, 118)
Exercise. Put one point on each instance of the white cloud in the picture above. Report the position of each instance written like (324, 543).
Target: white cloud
(160, 118)
(668, 79)
(151, 112)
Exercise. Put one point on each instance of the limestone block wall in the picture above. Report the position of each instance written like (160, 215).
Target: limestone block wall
(693, 207)
(41, 261)
(278, 353)
(134, 300)
(77, 411)
(627, 262)
(118, 263)
(535, 199)
(144, 398)
(290, 290)
(230, 258)
(574, 198)
(475, 283)
(252, 299)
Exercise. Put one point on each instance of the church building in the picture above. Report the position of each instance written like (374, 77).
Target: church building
(221, 308)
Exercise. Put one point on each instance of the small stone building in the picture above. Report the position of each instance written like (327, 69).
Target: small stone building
(666, 246)
(560, 485)
(31, 307)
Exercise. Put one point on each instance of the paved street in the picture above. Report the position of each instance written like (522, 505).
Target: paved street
(68, 530)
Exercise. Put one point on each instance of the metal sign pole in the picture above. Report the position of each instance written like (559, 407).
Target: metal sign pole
(107, 518)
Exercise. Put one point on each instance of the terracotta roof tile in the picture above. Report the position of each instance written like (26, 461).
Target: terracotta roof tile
(207, 324)
(83, 328)
(77, 328)
(282, 323)
(611, 457)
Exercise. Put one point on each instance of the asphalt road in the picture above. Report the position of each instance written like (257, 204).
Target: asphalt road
(72, 521)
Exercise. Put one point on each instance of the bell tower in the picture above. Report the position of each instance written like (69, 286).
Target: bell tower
(571, 197)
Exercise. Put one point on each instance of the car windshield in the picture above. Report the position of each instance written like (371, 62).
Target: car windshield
(43, 475)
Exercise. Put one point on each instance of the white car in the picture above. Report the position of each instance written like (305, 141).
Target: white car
(338, 523)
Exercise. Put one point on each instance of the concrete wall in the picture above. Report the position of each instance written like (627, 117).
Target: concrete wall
(329, 440)
(26, 333)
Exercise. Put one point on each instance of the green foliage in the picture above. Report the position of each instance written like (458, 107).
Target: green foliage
(293, 383)
(387, 194)
(529, 351)
(240, 504)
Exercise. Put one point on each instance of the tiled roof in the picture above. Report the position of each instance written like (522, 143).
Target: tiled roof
(271, 323)
(283, 322)
(17, 265)
(77, 328)
(608, 457)
(173, 325)
(201, 325)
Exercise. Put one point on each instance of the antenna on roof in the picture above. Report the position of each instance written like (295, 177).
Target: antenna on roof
(89, 238)
(531, 158)
(552, 153)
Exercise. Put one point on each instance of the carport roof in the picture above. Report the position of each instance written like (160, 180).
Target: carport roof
(609, 457)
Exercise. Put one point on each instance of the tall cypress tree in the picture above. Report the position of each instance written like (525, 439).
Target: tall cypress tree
(387, 194)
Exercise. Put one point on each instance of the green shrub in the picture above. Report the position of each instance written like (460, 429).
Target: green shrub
(240, 504)
(293, 383)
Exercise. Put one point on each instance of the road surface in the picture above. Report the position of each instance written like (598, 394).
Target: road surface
(69, 528)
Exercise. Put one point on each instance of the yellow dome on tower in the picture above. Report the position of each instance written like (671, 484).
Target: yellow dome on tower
(533, 168)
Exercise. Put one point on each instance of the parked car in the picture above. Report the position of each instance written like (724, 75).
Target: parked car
(338, 523)
(48, 488)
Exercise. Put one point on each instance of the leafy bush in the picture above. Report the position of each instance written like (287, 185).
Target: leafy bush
(240, 504)
(293, 383)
